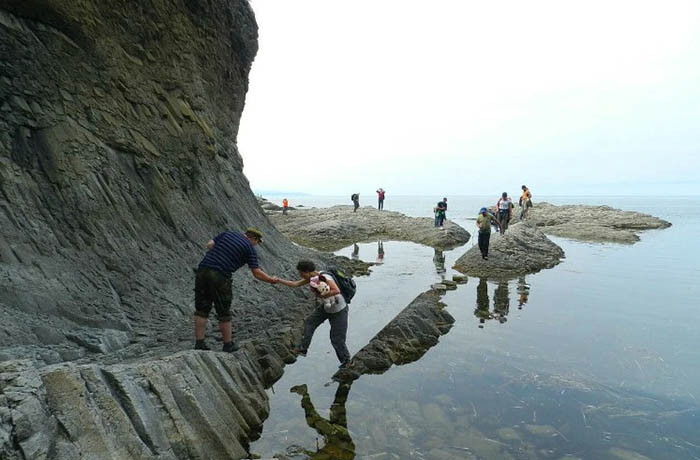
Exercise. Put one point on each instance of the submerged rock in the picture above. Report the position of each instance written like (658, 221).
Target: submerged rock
(593, 223)
(523, 249)
(333, 228)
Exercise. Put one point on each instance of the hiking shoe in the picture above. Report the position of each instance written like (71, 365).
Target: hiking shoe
(230, 347)
(200, 345)
(299, 351)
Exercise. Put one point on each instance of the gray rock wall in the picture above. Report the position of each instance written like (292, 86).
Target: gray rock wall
(118, 161)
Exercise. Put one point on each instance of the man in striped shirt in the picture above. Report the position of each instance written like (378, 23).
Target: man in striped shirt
(226, 253)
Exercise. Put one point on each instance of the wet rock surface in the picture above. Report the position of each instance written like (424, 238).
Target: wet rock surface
(593, 223)
(333, 228)
(522, 249)
(405, 339)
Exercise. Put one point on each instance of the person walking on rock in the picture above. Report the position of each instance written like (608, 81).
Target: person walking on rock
(355, 197)
(226, 253)
(285, 206)
(505, 208)
(483, 223)
(525, 202)
(441, 213)
(380, 197)
(336, 313)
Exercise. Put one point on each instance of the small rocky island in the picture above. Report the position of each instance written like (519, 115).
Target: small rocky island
(333, 228)
(526, 249)
(600, 224)
(522, 249)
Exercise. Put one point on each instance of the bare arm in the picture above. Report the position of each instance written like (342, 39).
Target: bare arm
(297, 283)
(262, 276)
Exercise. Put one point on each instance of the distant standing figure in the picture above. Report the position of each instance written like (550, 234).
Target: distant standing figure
(226, 253)
(525, 202)
(355, 252)
(505, 207)
(337, 315)
(285, 206)
(380, 197)
(440, 213)
(355, 197)
(483, 223)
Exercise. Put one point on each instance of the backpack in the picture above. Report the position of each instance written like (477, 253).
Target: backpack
(345, 283)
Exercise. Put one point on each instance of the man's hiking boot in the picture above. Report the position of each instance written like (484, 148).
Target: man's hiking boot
(200, 345)
(230, 347)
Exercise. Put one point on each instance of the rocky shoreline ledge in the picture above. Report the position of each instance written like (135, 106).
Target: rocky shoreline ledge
(330, 229)
(599, 224)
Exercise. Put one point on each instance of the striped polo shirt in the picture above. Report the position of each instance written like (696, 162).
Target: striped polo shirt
(231, 251)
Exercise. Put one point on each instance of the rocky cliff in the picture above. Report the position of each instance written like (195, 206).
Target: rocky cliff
(118, 160)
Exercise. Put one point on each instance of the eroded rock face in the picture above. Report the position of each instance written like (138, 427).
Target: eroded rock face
(333, 228)
(118, 161)
(522, 249)
(188, 405)
(593, 223)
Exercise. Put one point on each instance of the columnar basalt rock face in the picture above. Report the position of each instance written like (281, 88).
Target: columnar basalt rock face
(118, 161)
(118, 123)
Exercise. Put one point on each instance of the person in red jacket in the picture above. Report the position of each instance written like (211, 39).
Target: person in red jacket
(380, 197)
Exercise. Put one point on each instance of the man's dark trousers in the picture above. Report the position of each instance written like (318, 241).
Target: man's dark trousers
(484, 243)
(339, 329)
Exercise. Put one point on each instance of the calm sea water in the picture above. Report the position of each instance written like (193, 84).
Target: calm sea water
(598, 357)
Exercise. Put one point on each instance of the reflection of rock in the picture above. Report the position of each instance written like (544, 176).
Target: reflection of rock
(523, 249)
(593, 223)
(405, 339)
(332, 228)
(338, 444)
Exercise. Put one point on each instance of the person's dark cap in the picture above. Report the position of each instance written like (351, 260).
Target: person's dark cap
(483, 210)
(254, 232)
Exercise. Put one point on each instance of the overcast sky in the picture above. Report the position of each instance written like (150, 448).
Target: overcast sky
(460, 97)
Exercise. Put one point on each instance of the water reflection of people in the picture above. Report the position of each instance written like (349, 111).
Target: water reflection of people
(380, 252)
(501, 301)
(523, 292)
(439, 261)
(355, 252)
(338, 443)
(482, 302)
